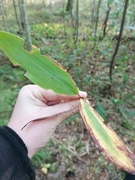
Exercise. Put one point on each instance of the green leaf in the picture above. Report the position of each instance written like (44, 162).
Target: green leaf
(41, 70)
(106, 139)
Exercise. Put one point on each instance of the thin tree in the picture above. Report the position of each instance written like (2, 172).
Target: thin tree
(77, 21)
(119, 40)
(4, 15)
(64, 20)
(21, 14)
(106, 18)
(93, 13)
(97, 18)
(16, 15)
(26, 24)
(69, 6)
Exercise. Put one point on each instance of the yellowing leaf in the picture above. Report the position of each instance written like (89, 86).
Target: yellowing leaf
(107, 140)
(41, 70)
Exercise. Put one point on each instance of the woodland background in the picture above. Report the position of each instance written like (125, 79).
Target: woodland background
(95, 41)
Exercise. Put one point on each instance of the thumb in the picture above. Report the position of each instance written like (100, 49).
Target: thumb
(67, 109)
(57, 113)
(63, 110)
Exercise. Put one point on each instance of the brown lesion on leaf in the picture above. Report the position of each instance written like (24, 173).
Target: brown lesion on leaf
(58, 64)
(122, 148)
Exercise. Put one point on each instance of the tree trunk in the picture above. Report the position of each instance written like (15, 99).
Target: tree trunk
(106, 19)
(92, 14)
(16, 15)
(26, 24)
(21, 14)
(119, 39)
(69, 6)
(97, 18)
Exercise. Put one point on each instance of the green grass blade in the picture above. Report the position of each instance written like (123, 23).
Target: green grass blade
(107, 140)
(41, 70)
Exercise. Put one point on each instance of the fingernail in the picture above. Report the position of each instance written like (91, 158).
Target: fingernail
(83, 94)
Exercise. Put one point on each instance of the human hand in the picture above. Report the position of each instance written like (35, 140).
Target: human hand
(35, 103)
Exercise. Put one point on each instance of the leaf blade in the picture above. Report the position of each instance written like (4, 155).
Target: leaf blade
(40, 69)
(107, 140)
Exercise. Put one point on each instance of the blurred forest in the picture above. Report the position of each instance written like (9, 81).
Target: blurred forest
(95, 41)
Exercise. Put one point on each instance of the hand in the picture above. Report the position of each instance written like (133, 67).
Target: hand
(34, 103)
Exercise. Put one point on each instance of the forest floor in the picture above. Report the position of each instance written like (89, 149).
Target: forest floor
(71, 154)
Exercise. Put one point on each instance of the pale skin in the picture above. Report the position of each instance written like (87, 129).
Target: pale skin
(33, 103)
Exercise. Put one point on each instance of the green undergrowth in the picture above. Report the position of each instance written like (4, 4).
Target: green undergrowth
(11, 81)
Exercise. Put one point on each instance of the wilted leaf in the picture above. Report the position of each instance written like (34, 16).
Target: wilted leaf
(41, 70)
(107, 140)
